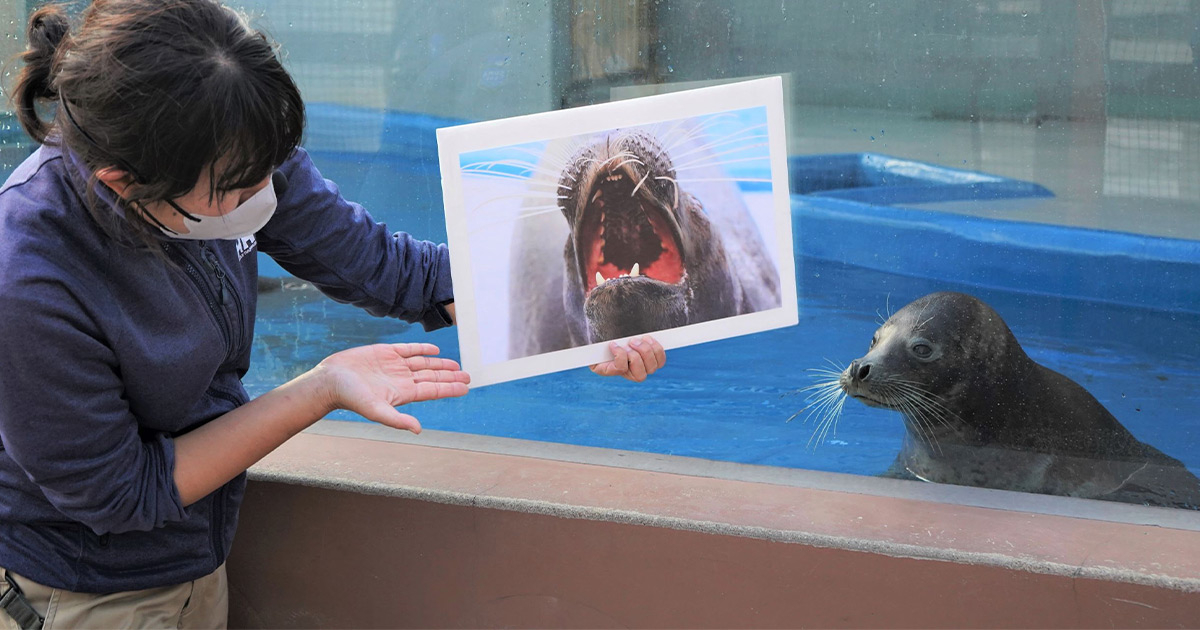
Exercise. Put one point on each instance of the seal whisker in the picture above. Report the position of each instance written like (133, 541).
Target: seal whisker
(932, 401)
(821, 385)
(913, 414)
(815, 400)
(828, 407)
(917, 395)
(831, 418)
(837, 366)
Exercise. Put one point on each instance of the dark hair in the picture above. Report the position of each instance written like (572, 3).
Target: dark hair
(162, 89)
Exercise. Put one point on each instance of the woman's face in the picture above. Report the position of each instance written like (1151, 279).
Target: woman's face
(200, 200)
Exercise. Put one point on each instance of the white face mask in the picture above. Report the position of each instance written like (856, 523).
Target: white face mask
(248, 218)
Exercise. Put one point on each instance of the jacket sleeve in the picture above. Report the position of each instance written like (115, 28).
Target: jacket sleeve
(318, 236)
(65, 421)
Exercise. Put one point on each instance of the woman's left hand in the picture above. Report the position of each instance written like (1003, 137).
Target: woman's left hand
(644, 356)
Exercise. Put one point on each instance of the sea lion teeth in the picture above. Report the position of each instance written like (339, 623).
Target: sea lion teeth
(596, 196)
(635, 271)
(599, 279)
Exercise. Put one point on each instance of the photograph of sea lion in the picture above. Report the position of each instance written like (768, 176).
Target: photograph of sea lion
(978, 411)
(623, 232)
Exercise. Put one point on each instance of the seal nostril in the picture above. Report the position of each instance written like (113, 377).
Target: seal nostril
(863, 371)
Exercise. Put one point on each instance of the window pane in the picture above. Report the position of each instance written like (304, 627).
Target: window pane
(1038, 155)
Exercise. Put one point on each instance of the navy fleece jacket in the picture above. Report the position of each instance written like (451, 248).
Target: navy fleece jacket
(108, 351)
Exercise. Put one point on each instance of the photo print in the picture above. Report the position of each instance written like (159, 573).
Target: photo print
(665, 215)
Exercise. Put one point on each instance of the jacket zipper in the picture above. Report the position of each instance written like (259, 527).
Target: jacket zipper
(217, 526)
(198, 279)
(225, 293)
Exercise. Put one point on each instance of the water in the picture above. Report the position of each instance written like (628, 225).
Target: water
(731, 400)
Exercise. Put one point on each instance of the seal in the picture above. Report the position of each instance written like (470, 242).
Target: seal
(641, 253)
(979, 412)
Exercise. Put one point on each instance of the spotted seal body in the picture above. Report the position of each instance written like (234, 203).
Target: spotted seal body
(978, 411)
(639, 253)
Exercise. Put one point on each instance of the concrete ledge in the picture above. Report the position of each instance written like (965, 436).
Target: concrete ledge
(570, 544)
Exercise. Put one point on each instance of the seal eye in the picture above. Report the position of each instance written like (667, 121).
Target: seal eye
(922, 350)
(874, 340)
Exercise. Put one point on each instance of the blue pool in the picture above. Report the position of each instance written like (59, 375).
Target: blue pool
(1118, 313)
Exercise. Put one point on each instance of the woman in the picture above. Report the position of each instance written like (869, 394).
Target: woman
(127, 294)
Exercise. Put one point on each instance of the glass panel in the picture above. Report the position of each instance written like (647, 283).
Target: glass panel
(1038, 155)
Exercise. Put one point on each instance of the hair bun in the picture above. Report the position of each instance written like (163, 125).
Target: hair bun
(48, 27)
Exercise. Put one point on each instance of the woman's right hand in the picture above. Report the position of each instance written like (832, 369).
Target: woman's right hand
(373, 380)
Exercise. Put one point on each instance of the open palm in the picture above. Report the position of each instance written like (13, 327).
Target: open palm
(373, 380)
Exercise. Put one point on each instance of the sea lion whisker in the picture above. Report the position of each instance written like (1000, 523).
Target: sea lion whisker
(540, 210)
(503, 197)
(702, 128)
(623, 154)
(639, 184)
(669, 145)
(731, 138)
(673, 181)
(757, 158)
(632, 159)
(761, 180)
(485, 168)
(707, 159)
(496, 175)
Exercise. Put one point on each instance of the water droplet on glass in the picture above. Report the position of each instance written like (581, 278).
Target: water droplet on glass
(670, 68)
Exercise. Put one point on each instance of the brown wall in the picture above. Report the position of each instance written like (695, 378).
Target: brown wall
(320, 558)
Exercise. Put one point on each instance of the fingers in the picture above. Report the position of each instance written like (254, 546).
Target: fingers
(435, 391)
(647, 357)
(419, 363)
(387, 415)
(441, 376)
(637, 364)
(620, 362)
(652, 353)
(656, 348)
(414, 349)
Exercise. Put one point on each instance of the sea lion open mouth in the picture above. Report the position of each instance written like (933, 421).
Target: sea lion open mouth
(645, 248)
(626, 230)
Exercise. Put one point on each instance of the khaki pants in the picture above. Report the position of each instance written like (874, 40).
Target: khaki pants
(203, 603)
